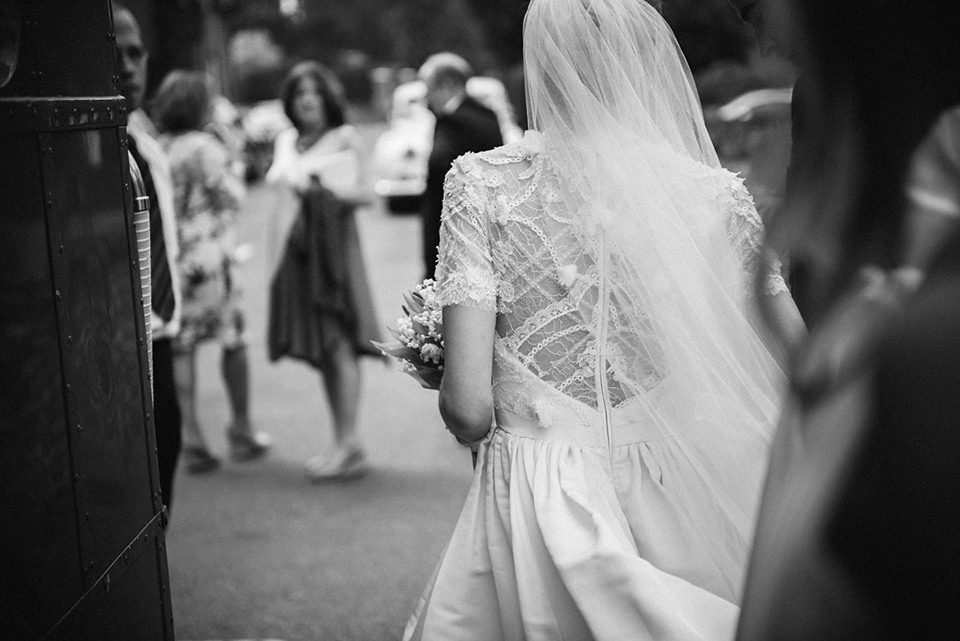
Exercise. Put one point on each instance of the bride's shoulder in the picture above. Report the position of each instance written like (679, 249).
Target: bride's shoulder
(495, 162)
(735, 189)
(518, 151)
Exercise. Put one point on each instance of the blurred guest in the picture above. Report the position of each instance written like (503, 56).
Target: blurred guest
(859, 530)
(463, 125)
(321, 310)
(165, 282)
(934, 201)
(226, 124)
(207, 196)
(933, 191)
(774, 37)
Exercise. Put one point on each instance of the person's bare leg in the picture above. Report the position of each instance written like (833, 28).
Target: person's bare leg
(196, 454)
(245, 443)
(235, 370)
(184, 376)
(342, 384)
(341, 379)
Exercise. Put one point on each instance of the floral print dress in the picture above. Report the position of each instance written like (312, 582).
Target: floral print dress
(207, 197)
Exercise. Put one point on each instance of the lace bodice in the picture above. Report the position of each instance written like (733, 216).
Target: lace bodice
(514, 242)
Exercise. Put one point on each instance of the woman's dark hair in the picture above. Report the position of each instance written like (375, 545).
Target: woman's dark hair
(182, 102)
(329, 87)
(880, 74)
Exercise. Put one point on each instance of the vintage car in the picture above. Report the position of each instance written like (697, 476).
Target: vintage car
(400, 153)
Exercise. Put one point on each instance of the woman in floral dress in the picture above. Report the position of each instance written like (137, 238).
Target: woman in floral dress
(207, 198)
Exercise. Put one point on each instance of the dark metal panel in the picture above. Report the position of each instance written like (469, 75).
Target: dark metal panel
(77, 447)
(81, 547)
(142, 618)
(120, 604)
(103, 347)
(42, 578)
(56, 35)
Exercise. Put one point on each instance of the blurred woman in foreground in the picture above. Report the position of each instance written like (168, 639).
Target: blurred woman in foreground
(859, 530)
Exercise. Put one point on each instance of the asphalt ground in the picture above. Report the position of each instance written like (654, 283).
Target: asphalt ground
(257, 552)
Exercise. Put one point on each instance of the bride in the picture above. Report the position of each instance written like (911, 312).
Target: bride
(595, 279)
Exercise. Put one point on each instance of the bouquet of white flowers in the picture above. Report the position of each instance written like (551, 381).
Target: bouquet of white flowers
(419, 337)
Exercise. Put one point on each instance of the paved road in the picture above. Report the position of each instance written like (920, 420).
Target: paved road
(257, 552)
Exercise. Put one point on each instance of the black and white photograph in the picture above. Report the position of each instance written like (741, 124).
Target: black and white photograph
(479, 320)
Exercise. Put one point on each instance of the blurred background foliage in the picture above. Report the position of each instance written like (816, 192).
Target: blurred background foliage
(356, 36)
(247, 47)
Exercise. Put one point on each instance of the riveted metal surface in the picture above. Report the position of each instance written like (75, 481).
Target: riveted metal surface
(37, 506)
(20, 115)
(65, 50)
(82, 552)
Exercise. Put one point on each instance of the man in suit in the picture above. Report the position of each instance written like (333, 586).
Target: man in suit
(165, 317)
(463, 125)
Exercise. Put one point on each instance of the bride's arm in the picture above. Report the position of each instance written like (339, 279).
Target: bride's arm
(781, 327)
(467, 292)
(466, 397)
(783, 320)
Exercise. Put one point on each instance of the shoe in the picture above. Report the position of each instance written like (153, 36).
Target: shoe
(247, 445)
(342, 466)
(198, 460)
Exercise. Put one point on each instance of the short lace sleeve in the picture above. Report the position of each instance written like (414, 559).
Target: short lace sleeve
(465, 270)
(745, 230)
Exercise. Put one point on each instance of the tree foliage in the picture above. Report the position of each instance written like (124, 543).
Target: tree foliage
(486, 32)
(708, 31)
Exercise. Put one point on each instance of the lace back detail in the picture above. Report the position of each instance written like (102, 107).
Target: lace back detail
(516, 239)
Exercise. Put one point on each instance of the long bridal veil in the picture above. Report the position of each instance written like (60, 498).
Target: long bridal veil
(614, 100)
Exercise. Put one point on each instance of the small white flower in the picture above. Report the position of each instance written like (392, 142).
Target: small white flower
(429, 297)
(431, 353)
(532, 141)
(568, 274)
(405, 327)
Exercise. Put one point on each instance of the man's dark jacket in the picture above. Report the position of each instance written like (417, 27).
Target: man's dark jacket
(471, 127)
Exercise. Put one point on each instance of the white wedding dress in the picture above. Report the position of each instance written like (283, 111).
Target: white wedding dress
(585, 519)
(615, 496)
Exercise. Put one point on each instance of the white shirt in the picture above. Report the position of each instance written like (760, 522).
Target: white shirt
(139, 126)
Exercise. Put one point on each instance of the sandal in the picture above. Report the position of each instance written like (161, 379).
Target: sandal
(198, 460)
(247, 445)
(342, 466)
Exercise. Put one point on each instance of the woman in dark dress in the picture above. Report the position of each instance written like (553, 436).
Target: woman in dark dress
(321, 311)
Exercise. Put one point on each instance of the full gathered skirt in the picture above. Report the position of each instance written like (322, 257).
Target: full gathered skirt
(564, 537)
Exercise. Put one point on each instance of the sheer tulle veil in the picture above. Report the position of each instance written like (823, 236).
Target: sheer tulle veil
(614, 101)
